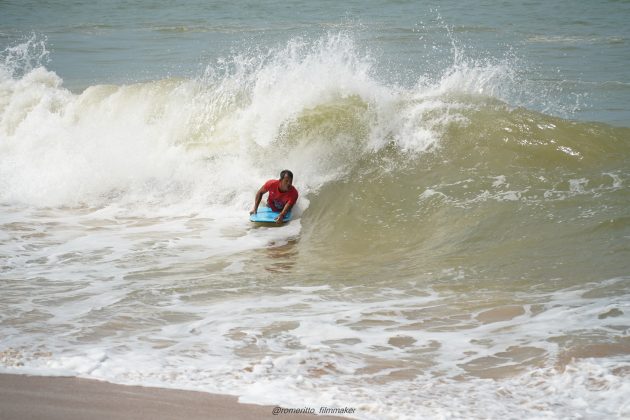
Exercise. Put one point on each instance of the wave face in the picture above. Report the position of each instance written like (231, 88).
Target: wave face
(499, 183)
(451, 246)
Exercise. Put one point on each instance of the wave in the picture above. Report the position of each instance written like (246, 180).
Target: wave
(318, 107)
(576, 40)
(504, 191)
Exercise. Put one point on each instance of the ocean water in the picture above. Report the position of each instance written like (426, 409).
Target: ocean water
(460, 249)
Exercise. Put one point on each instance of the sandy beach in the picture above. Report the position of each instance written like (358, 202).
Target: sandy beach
(43, 397)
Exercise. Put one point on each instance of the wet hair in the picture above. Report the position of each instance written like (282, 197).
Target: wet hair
(286, 172)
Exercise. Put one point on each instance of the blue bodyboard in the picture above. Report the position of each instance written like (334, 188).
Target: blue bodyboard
(266, 215)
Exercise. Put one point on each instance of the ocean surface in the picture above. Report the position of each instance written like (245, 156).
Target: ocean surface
(460, 249)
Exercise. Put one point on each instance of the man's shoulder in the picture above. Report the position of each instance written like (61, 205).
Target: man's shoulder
(271, 183)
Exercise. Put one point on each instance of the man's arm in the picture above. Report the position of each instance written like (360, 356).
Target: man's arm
(284, 211)
(259, 196)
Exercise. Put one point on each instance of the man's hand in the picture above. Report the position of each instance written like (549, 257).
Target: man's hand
(280, 218)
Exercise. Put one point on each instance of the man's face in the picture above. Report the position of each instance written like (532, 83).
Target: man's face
(285, 183)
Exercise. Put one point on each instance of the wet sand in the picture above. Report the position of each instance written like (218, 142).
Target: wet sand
(43, 397)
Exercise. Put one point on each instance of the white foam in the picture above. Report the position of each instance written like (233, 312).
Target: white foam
(342, 352)
(617, 181)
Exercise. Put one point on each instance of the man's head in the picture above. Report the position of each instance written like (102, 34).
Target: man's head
(286, 180)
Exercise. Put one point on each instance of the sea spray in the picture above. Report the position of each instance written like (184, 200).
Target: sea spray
(25, 55)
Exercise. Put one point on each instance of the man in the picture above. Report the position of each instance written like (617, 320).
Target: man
(282, 194)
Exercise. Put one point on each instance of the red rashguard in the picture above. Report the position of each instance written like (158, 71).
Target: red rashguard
(277, 199)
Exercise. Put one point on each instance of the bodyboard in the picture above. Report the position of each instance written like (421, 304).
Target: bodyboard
(267, 215)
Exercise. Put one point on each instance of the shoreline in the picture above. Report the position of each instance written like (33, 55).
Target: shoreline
(72, 398)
